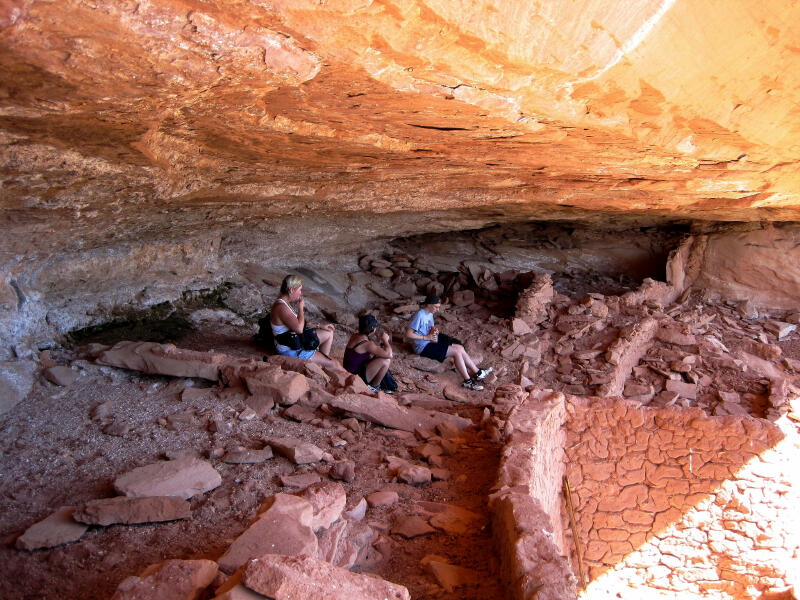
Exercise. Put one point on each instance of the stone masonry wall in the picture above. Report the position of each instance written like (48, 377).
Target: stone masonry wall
(526, 506)
(673, 499)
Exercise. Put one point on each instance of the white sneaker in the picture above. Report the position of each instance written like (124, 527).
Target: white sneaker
(373, 389)
(483, 373)
(471, 384)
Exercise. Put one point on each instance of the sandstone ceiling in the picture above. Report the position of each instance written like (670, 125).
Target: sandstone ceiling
(130, 118)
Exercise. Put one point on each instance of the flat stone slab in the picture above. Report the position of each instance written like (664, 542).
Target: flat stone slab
(60, 375)
(450, 518)
(294, 577)
(385, 411)
(260, 405)
(16, 380)
(163, 359)
(344, 470)
(300, 413)
(408, 472)
(382, 498)
(450, 576)
(328, 500)
(296, 450)
(248, 457)
(184, 477)
(59, 528)
(301, 480)
(283, 387)
(284, 527)
(122, 509)
(685, 390)
(411, 527)
(234, 589)
(170, 580)
(345, 543)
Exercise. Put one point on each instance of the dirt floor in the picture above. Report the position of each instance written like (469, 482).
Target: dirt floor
(58, 448)
(55, 453)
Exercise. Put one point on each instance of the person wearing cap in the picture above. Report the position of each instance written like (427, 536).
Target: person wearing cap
(430, 344)
(366, 358)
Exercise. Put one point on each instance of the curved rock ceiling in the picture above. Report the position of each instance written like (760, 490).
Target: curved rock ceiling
(235, 125)
(667, 107)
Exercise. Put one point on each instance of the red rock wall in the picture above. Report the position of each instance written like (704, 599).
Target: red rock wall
(525, 508)
(673, 499)
(762, 266)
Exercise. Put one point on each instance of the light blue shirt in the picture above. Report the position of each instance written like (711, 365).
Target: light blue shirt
(421, 324)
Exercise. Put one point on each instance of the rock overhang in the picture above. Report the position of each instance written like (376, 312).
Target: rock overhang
(292, 107)
(154, 146)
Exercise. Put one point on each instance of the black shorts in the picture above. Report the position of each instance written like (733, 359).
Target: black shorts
(436, 350)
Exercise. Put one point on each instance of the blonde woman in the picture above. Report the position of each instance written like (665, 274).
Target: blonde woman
(288, 314)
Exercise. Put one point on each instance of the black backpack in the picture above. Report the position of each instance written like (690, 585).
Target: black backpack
(264, 337)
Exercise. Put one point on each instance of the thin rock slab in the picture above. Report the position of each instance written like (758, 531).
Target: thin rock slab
(300, 480)
(283, 387)
(170, 580)
(296, 450)
(385, 411)
(165, 359)
(57, 529)
(450, 518)
(185, 477)
(328, 500)
(450, 576)
(294, 577)
(357, 512)
(60, 375)
(300, 413)
(283, 527)
(346, 543)
(344, 470)
(122, 509)
(382, 498)
(408, 472)
(411, 527)
(234, 589)
(453, 393)
(248, 457)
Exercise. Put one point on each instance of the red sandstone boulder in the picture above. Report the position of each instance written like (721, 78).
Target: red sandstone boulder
(328, 501)
(123, 509)
(283, 527)
(170, 580)
(184, 477)
(290, 577)
(59, 528)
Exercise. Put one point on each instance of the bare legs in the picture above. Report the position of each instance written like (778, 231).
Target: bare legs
(325, 343)
(462, 360)
(325, 340)
(376, 369)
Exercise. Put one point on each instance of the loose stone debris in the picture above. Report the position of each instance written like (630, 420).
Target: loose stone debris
(667, 412)
(59, 528)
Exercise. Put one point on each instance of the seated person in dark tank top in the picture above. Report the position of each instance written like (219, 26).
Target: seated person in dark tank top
(365, 357)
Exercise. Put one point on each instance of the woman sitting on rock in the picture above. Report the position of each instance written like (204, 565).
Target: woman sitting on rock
(364, 357)
(284, 318)
(428, 342)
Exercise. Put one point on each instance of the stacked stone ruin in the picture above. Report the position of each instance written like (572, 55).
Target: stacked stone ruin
(678, 482)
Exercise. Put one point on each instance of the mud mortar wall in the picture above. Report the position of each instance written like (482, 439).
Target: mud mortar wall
(526, 506)
(671, 498)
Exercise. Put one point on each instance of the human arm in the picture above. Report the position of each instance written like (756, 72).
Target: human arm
(382, 349)
(284, 316)
(413, 335)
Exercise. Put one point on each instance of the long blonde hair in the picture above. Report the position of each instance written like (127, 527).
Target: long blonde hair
(290, 282)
